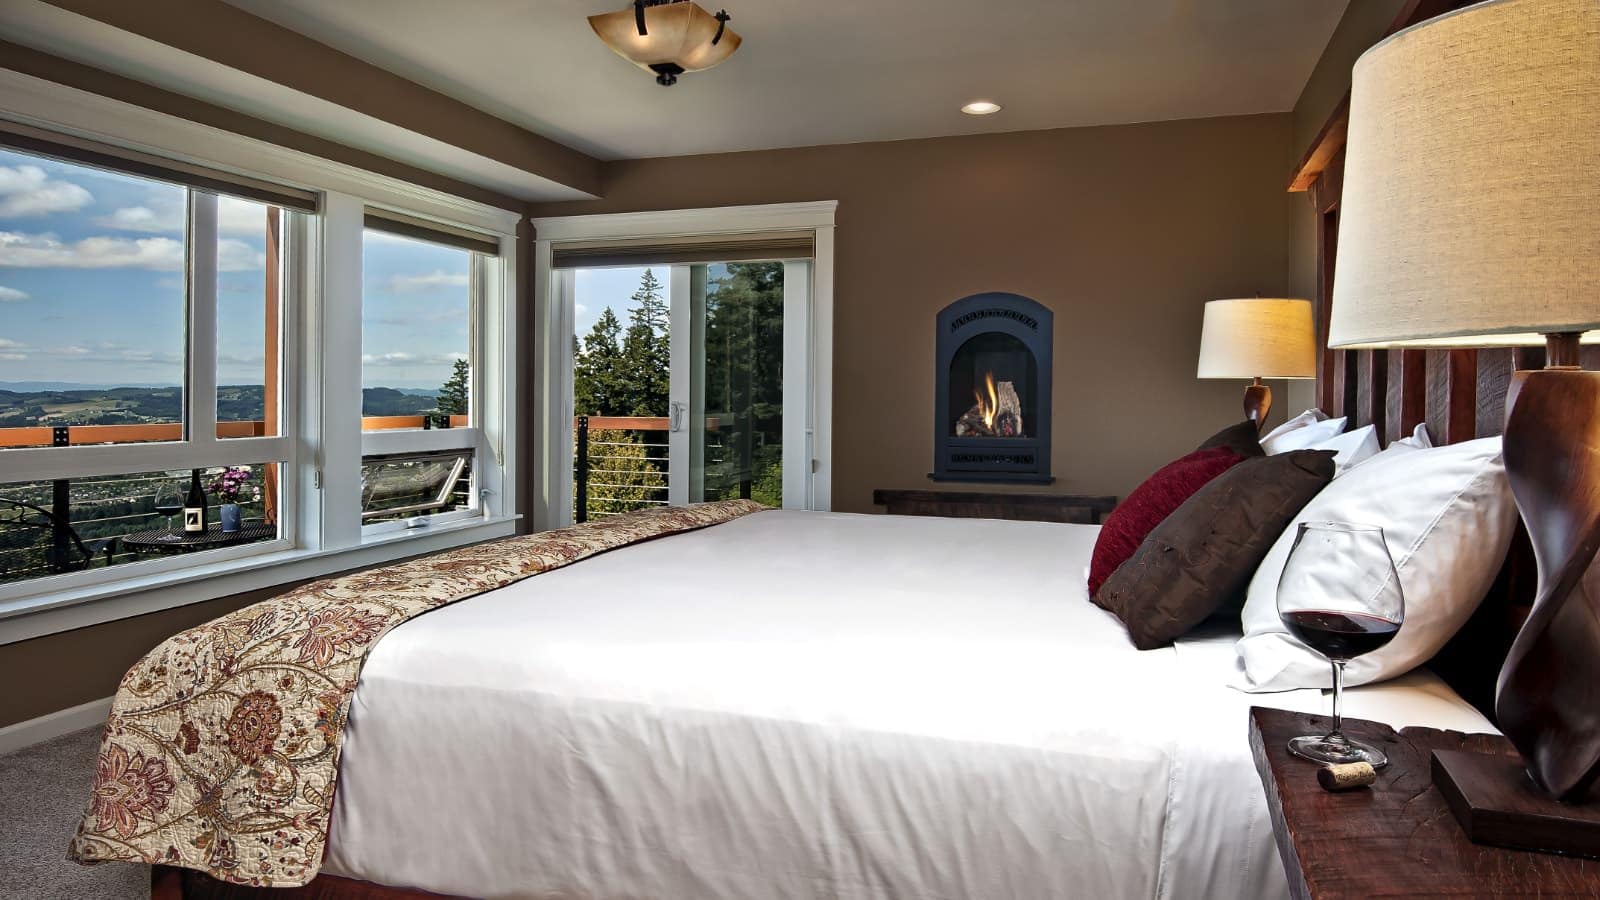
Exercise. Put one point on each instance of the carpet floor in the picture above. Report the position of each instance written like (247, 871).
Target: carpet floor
(43, 789)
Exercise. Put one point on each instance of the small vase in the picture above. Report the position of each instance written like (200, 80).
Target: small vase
(230, 518)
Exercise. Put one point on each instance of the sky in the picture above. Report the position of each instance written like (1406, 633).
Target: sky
(595, 289)
(92, 286)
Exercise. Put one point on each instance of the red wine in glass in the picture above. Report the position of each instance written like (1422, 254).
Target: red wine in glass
(1340, 635)
(169, 502)
(1340, 595)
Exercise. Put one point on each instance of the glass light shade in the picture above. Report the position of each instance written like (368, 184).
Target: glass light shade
(676, 33)
(1258, 337)
(1472, 179)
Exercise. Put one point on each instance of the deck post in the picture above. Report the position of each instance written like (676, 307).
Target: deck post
(580, 512)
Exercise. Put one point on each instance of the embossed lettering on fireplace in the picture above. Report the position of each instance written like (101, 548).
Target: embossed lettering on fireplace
(992, 406)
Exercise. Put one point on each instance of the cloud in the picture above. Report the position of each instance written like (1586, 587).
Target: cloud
(164, 213)
(11, 295)
(8, 344)
(28, 191)
(46, 251)
(237, 256)
(141, 218)
(403, 358)
(580, 308)
(431, 281)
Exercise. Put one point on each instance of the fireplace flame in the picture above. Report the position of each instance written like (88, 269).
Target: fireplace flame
(988, 406)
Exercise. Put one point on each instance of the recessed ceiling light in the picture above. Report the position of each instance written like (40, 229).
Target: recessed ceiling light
(981, 108)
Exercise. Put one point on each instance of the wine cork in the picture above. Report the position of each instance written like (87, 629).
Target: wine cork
(1346, 776)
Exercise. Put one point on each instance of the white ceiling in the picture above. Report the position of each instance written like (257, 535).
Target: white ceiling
(838, 71)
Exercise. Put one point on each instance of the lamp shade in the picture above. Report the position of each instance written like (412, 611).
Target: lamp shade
(678, 34)
(1470, 212)
(1258, 337)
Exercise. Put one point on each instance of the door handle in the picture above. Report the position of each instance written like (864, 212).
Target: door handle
(677, 416)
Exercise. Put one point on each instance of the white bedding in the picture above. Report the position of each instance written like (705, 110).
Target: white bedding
(812, 705)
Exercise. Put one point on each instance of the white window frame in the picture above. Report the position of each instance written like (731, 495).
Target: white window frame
(554, 311)
(322, 442)
(487, 348)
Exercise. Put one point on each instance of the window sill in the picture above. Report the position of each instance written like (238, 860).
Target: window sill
(64, 610)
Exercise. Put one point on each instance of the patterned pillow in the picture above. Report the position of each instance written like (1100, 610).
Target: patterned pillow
(1150, 503)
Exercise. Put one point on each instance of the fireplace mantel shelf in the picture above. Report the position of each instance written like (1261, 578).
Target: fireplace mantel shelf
(991, 478)
(986, 505)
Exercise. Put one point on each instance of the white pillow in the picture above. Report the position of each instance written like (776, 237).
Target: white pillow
(1308, 417)
(1307, 436)
(1418, 440)
(1351, 449)
(1448, 517)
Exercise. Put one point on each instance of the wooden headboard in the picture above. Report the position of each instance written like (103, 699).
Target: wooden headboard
(1458, 394)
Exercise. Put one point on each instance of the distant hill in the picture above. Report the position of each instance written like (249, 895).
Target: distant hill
(34, 386)
(76, 404)
(381, 401)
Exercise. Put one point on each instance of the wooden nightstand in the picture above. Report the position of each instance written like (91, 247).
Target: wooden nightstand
(1396, 838)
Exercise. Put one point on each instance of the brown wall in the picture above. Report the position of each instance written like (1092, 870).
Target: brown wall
(1123, 231)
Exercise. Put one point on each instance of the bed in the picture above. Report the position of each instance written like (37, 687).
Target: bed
(802, 705)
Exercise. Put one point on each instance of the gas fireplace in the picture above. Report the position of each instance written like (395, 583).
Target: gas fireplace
(992, 406)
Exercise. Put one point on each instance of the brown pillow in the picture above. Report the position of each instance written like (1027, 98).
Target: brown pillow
(1243, 439)
(1199, 561)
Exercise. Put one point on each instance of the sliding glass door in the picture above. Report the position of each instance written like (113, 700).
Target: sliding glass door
(729, 399)
(690, 389)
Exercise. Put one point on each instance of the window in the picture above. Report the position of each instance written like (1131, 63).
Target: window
(162, 317)
(421, 295)
(416, 331)
(140, 315)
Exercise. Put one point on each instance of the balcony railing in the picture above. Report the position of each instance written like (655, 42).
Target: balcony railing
(77, 435)
(108, 507)
(620, 464)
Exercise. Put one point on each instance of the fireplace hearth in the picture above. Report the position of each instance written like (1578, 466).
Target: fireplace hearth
(992, 401)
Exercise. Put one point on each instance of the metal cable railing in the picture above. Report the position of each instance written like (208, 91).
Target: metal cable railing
(628, 472)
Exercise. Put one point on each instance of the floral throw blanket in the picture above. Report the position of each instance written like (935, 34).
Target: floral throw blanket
(222, 750)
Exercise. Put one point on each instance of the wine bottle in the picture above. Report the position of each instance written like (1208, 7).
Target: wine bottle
(194, 506)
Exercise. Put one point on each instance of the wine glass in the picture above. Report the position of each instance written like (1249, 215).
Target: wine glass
(169, 502)
(1340, 595)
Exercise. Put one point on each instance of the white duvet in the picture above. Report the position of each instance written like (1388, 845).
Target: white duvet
(814, 705)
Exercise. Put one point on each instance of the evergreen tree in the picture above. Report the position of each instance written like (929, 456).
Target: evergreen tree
(453, 395)
(599, 381)
(646, 352)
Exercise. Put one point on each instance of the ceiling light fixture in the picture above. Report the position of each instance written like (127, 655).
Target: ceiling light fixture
(981, 108)
(667, 37)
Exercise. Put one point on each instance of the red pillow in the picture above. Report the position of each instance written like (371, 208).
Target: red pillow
(1149, 504)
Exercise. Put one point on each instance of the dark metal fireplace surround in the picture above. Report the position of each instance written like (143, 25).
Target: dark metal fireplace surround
(991, 415)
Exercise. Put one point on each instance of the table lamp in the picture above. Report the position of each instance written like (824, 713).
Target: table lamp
(1470, 217)
(1256, 338)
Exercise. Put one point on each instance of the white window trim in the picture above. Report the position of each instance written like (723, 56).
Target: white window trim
(554, 313)
(493, 320)
(321, 535)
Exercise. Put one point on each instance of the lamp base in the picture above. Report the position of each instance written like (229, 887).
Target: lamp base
(1498, 804)
(1257, 403)
(1546, 701)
